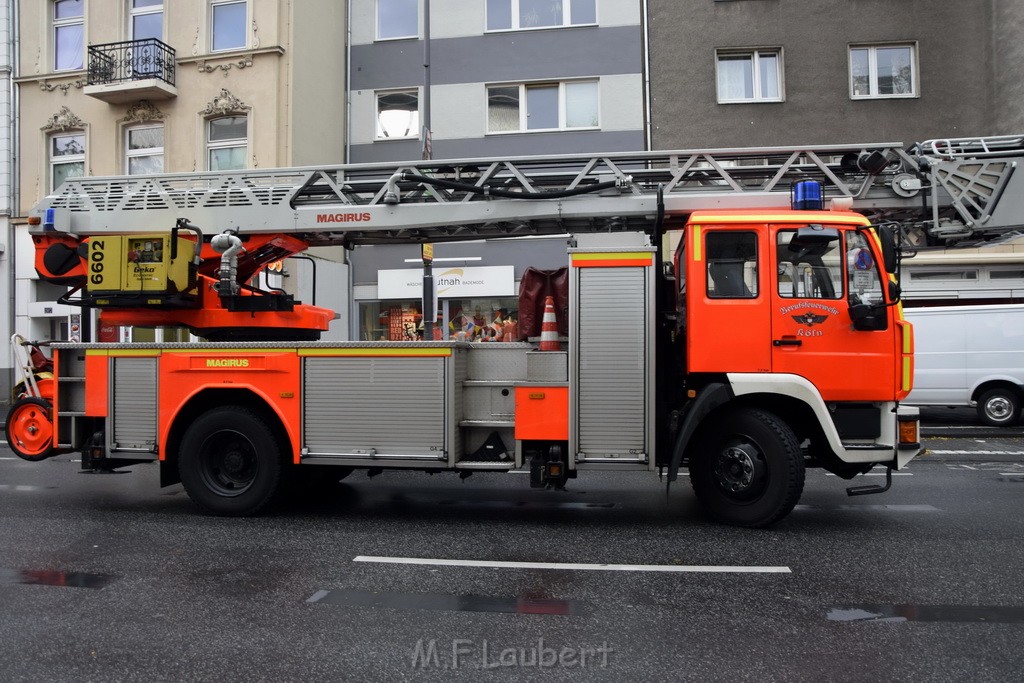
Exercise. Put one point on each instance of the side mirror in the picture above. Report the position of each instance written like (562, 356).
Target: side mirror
(868, 318)
(894, 291)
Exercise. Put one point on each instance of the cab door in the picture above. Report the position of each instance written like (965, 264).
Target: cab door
(726, 315)
(818, 271)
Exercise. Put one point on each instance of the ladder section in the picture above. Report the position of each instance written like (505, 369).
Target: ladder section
(993, 145)
(472, 198)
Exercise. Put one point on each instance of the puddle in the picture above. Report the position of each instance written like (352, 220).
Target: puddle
(949, 613)
(37, 577)
(446, 603)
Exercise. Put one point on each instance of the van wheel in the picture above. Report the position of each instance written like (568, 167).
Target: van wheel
(998, 407)
(747, 469)
(230, 462)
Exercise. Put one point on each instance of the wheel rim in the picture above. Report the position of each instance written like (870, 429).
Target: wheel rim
(740, 470)
(228, 463)
(999, 408)
(30, 430)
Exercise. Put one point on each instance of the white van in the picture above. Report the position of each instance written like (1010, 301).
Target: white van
(970, 356)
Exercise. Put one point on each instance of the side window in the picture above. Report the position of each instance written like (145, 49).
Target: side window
(863, 276)
(809, 272)
(732, 265)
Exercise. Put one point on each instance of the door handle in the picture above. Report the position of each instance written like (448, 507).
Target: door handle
(786, 342)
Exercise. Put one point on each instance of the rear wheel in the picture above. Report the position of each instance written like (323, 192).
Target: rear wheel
(230, 462)
(747, 469)
(998, 407)
(30, 429)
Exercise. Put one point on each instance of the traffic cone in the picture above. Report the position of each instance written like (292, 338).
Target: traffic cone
(549, 327)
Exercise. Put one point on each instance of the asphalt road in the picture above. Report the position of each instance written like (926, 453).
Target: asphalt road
(108, 577)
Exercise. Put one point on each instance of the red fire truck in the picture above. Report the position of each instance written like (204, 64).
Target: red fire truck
(769, 341)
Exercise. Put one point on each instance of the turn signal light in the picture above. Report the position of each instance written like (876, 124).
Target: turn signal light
(908, 431)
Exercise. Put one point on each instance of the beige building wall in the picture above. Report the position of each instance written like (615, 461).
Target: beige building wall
(289, 80)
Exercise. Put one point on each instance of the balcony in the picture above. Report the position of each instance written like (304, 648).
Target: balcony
(131, 70)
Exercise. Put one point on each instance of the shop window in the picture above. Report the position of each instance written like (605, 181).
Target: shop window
(472, 320)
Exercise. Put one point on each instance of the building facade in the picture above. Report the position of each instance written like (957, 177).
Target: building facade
(113, 87)
(752, 73)
(486, 78)
(6, 194)
(504, 77)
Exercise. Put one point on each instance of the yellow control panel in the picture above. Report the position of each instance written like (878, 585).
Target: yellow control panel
(138, 263)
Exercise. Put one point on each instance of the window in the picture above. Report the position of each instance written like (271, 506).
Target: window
(944, 275)
(144, 150)
(880, 71)
(67, 157)
(398, 19)
(68, 35)
(750, 76)
(398, 115)
(542, 106)
(862, 274)
(809, 272)
(732, 265)
(146, 24)
(227, 25)
(505, 15)
(147, 19)
(226, 142)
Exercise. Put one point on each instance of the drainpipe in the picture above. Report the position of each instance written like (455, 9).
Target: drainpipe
(645, 19)
(348, 85)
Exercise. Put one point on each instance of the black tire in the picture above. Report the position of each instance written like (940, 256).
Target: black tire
(747, 468)
(999, 407)
(230, 462)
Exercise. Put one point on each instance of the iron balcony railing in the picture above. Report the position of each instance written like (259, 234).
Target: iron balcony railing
(131, 60)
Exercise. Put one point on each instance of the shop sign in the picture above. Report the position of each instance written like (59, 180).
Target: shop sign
(449, 283)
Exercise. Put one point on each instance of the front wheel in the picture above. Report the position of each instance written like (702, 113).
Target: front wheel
(998, 407)
(747, 469)
(230, 462)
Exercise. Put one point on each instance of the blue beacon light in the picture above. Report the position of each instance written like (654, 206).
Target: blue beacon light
(807, 195)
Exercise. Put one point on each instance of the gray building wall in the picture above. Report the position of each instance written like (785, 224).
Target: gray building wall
(465, 59)
(957, 43)
(1007, 50)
